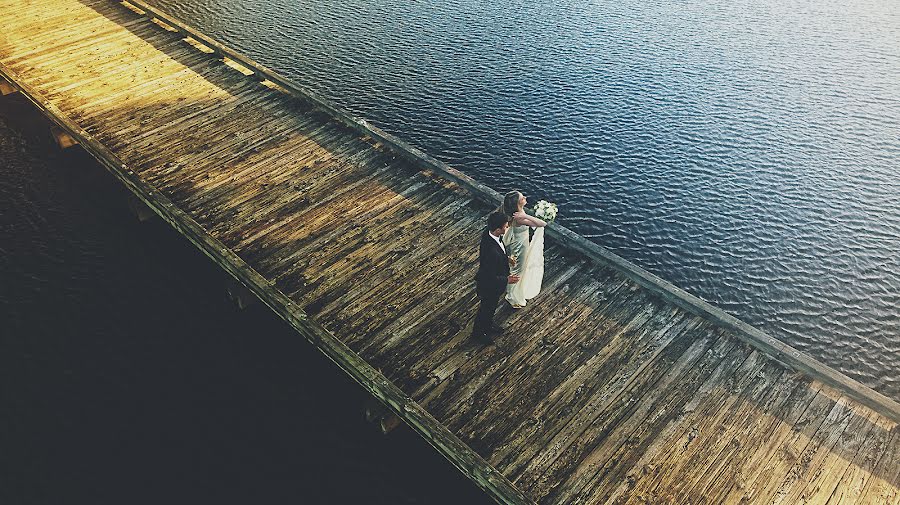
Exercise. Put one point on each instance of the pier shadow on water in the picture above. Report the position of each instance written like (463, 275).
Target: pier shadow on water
(128, 378)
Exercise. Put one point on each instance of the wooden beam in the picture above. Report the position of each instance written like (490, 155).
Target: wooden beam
(6, 88)
(139, 209)
(62, 138)
(378, 414)
(240, 295)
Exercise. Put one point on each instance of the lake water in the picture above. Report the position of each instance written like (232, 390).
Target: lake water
(748, 152)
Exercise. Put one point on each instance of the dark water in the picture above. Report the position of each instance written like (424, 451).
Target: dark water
(749, 151)
(127, 378)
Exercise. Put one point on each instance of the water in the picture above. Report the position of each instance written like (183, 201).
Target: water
(746, 151)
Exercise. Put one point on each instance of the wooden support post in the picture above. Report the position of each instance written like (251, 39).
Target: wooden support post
(376, 413)
(239, 294)
(6, 88)
(140, 209)
(62, 138)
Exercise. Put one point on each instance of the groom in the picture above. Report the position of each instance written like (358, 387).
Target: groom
(492, 277)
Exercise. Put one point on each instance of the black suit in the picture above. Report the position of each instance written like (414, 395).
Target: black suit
(490, 281)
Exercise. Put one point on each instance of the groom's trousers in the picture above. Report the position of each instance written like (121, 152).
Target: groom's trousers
(484, 318)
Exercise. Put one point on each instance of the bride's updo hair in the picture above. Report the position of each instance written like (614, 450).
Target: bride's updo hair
(510, 204)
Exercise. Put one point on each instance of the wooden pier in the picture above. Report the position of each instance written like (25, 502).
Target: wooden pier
(612, 387)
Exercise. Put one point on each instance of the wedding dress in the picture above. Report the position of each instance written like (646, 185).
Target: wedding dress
(532, 272)
(529, 263)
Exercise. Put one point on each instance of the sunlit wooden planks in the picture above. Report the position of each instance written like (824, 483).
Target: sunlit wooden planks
(602, 391)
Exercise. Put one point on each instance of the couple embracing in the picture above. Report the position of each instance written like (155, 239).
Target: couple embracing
(508, 263)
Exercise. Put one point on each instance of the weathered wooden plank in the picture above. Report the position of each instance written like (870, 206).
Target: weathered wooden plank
(496, 390)
(636, 418)
(862, 468)
(146, 112)
(333, 260)
(558, 364)
(66, 47)
(759, 486)
(577, 484)
(320, 192)
(397, 269)
(52, 47)
(375, 334)
(319, 230)
(378, 266)
(732, 443)
(552, 352)
(135, 126)
(316, 242)
(136, 130)
(612, 460)
(504, 432)
(400, 204)
(417, 358)
(93, 81)
(186, 74)
(841, 421)
(287, 156)
(46, 38)
(25, 19)
(884, 484)
(93, 71)
(821, 485)
(767, 437)
(570, 443)
(287, 191)
(188, 159)
(671, 422)
(226, 162)
(165, 88)
(629, 316)
(440, 366)
(204, 184)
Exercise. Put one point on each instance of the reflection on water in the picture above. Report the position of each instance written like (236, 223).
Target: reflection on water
(746, 151)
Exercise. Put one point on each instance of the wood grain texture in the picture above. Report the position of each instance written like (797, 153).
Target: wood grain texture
(612, 386)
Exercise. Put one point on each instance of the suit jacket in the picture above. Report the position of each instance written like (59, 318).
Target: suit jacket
(493, 266)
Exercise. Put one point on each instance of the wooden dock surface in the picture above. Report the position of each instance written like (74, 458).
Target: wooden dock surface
(612, 387)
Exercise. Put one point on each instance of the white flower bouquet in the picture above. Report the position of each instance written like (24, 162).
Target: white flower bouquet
(545, 210)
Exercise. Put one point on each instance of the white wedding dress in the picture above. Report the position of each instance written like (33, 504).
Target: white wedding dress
(529, 266)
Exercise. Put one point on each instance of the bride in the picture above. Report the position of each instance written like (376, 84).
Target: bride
(528, 258)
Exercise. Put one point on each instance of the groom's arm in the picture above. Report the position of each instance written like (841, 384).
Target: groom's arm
(506, 278)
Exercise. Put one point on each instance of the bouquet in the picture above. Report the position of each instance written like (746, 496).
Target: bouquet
(545, 210)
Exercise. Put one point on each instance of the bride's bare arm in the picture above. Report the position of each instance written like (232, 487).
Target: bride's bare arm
(523, 218)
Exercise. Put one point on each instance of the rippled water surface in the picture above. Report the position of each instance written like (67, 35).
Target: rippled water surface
(747, 151)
